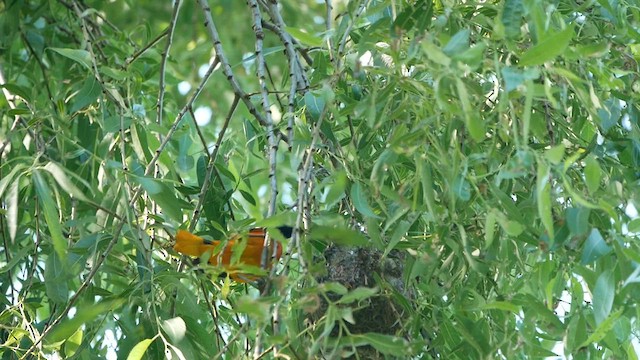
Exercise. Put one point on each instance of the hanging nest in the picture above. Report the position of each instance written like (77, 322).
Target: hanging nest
(359, 267)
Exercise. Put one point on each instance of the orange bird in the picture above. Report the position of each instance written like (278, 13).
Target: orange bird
(193, 245)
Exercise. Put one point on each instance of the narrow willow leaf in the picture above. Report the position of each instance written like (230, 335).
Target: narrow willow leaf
(472, 121)
(577, 219)
(543, 198)
(426, 179)
(89, 93)
(398, 233)
(11, 202)
(360, 293)
(51, 217)
(304, 37)
(360, 201)
(555, 154)
(592, 174)
(85, 313)
(603, 295)
(65, 183)
(17, 257)
(602, 330)
(82, 57)
(461, 188)
(385, 344)
(548, 48)
(163, 196)
(8, 179)
(489, 228)
(138, 351)
(338, 235)
(512, 17)
(55, 279)
(594, 248)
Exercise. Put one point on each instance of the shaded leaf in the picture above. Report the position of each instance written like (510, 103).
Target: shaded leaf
(603, 295)
(594, 248)
(360, 201)
(50, 215)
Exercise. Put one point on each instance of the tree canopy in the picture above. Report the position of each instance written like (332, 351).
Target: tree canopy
(462, 178)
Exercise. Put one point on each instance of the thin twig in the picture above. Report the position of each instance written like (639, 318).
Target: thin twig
(211, 165)
(151, 44)
(272, 141)
(163, 62)
(226, 66)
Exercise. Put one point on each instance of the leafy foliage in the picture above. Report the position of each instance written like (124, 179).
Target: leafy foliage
(496, 146)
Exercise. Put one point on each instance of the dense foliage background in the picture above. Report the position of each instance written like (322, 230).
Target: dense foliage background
(494, 145)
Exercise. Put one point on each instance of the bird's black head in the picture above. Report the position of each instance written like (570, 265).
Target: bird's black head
(286, 231)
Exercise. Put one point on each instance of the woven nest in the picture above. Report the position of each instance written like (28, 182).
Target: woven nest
(358, 267)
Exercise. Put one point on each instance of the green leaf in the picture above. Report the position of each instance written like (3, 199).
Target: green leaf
(304, 37)
(472, 120)
(555, 154)
(512, 14)
(489, 228)
(50, 215)
(426, 180)
(360, 293)
(578, 220)
(359, 199)
(398, 234)
(603, 295)
(163, 196)
(8, 179)
(82, 57)
(17, 257)
(548, 49)
(543, 199)
(12, 205)
(461, 188)
(458, 43)
(59, 174)
(594, 248)
(414, 17)
(634, 225)
(85, 314)
(502, 305)
(88, 94)
(602, 330)
(473, 56)
(138, 351)
(385, 161)
(17, 90)
(514, 77)
(334, 187)
(435, 54)
(315, 104)
(337, 235)
(592, 174)
(55, 279)
(385, 344)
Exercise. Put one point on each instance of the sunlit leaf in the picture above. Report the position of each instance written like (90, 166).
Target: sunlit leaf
(82, 57)
(138, 351)
(543, 199)
(548, 48)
